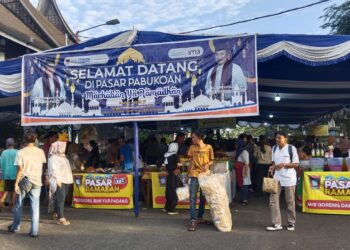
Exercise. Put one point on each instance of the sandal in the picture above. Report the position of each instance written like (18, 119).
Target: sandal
(55, 216)
(63, 222)
(192, 226)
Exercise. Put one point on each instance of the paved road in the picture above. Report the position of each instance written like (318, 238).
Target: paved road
(110, 229)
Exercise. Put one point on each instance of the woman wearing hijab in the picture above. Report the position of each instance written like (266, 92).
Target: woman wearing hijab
(242, 170)
(60, 176)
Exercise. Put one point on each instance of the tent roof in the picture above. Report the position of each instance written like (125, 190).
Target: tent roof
(309, 72)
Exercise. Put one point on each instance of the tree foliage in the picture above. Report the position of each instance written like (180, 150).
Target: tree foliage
(337, 19)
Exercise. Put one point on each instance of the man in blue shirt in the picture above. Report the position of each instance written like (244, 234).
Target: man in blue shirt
(126, 155)
(9, 170)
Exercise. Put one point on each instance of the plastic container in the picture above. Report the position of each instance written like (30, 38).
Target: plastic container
(305, 164)
(317, 164)
(335, 164)
(347, 161)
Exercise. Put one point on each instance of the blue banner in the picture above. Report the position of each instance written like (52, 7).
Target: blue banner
(198, 79)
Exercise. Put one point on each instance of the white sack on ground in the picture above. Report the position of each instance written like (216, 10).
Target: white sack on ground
(183, 193)
(213, 188)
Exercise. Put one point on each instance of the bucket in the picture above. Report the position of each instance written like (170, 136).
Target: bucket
(317, 164)
(335, 164)
(305, 164)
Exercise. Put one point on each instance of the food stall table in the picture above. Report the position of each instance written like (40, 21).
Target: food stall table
(103, 190)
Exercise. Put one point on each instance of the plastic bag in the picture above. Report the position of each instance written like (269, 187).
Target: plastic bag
(213, 188)
(183, 193)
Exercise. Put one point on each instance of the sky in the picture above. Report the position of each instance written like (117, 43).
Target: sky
(184, 15)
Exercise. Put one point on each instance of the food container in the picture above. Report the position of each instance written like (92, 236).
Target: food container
(305, 164)
(347, 160)
(335, 164)
(317, 164)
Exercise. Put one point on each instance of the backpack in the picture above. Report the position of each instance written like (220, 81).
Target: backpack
(290, 151)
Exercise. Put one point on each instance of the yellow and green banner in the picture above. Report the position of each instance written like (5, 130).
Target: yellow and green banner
(158, 192)
(105, 191)
(326, 192)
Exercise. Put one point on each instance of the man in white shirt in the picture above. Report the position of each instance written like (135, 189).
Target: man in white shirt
(285, 160)
(30, 162)
(226, 79)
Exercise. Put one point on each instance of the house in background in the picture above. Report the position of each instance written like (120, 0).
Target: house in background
(25, 29)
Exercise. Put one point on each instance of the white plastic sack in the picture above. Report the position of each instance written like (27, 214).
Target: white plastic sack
(183, 193)
(213, 188)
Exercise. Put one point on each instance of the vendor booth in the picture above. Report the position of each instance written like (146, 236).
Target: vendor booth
(309, 74)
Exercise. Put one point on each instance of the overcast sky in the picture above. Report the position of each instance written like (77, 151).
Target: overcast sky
(183, 15)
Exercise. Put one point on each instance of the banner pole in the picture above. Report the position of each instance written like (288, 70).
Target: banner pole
(136, 169)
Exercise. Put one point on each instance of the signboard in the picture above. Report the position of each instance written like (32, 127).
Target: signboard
(206, 78)
(169, 126)
(105, 191)
(319, 130)
(217, 123)
(326, 192)
(158, 192)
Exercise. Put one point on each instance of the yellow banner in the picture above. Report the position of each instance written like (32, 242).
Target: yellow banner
(158, 192)
(2, 187)
(319, 130)
(105, 191)
(326, 192)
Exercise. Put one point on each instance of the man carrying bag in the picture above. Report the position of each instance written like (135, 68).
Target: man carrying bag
(284, 163)
(30, 162)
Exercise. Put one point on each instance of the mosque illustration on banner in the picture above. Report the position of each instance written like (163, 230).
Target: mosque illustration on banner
(55, 107)
(143, 105)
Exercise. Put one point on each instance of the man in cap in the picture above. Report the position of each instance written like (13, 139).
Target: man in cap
(226, 79)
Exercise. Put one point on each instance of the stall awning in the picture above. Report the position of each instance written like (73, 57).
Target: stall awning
(309, 72)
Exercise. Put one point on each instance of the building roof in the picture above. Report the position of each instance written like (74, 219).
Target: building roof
(57, 36)
(50, 10)
(24, 24)
(12, 28)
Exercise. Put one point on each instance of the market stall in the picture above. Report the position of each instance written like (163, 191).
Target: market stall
(154, 182)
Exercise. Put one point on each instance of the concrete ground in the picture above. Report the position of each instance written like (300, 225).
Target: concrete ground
(119, 229)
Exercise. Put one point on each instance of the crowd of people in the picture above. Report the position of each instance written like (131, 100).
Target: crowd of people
(23, 170)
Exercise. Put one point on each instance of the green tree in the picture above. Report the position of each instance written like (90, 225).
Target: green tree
(337, 19)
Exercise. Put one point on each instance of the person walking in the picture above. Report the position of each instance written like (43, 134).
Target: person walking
(285, 160)
(173, 179)
(264, 159)
(202, 157)
(9, 171)
(60, 176)
(242, 169)
(30, 162)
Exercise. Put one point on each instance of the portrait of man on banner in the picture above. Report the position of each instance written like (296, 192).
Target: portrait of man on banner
(226, 80)
(49, 84)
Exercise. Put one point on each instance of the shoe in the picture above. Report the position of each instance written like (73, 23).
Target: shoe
(173, 213)
(244, 203)
(164, 210)
(33, 235)
(274, 228)
(291, 227)
(192, 226)
(11, 230)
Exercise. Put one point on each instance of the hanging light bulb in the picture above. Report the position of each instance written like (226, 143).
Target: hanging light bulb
(277, 98)
(270, 116)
